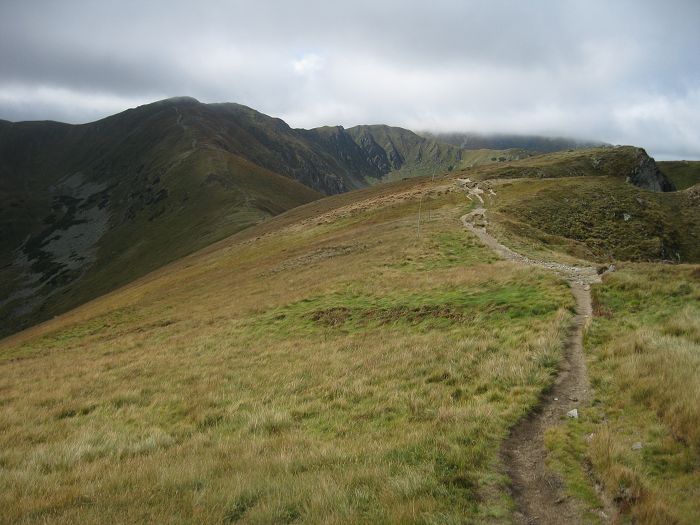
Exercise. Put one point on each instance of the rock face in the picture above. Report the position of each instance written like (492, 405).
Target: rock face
(389, 149)
(647, 175)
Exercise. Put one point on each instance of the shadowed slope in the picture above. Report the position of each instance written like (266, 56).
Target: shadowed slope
(86, 208)
(683, 173)
(90, 207)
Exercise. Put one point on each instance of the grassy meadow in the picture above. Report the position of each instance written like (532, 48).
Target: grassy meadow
(329, 366)
(640, 439)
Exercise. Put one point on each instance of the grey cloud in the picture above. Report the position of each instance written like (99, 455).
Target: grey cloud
(625, 72)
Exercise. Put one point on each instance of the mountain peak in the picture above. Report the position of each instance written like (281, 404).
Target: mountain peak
(173, 101)
(181, 100)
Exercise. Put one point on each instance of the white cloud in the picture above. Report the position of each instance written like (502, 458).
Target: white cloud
(52, 102)
(599, 70)
(308, 64)
(672, 122)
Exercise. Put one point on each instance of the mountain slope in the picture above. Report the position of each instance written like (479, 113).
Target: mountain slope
(362, 358)
(90, 207)
(319, 367)
(628, 163)
(601, 204)
(87, 208)
(402, 153)
(329, 159)
(682, 173)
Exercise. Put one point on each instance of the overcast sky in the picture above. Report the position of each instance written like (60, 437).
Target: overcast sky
(626, 72)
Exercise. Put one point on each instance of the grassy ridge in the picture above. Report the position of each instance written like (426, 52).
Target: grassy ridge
(683, 173)
(600, 218)
(340, 364)
(640, 437)
(314, 372)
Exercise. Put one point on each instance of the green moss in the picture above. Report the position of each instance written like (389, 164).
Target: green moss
(567, 446)
(448, 249)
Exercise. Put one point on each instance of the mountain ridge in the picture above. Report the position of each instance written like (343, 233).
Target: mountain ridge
(539, 143)
(89, 207)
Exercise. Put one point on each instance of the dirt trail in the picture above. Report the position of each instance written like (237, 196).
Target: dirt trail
(476, 223)
(539, 492)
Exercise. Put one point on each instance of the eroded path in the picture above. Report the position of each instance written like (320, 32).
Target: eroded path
(476, 222)
(540, 493)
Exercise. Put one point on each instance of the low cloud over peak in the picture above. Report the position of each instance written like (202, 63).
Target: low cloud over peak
(623, 72)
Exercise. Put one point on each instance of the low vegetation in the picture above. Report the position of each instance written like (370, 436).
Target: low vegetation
(599, 218)
(683, 173)
(641, 437)
(361, 359)
(316, 372)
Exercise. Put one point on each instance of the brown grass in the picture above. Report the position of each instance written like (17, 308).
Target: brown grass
(352, 387)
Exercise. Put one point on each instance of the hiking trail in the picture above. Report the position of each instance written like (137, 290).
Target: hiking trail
(539, 492)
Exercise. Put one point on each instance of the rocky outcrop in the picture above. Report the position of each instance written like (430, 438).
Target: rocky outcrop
(646, 174)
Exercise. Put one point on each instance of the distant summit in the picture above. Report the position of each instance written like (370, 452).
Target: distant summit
(535, 143)
(177, 100)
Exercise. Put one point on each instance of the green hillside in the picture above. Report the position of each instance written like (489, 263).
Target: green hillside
(683, 173)
(363, 358)
(595, 204)
(495, 141)
(602, 219)
(480, 157)
(400, 153)
(627, 163)
(90, 207)
(325, 366)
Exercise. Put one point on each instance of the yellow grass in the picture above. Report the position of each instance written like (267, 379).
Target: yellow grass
(329, 367)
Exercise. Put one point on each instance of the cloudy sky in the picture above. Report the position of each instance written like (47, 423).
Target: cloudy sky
(623, 72)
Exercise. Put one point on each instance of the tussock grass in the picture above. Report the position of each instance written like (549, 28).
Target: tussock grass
(315, 372)
(643, 349)
(644, 363)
